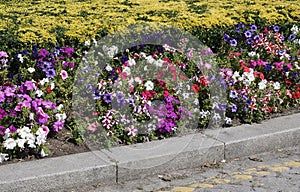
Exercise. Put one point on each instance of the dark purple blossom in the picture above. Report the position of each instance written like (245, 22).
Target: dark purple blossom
(268, 67)
(256, 37)
(253, 27)
(107, 98)
(248, 34)
(250, 41)
(124, 59)
(226, 38)
(233, 42)
(50, 73)
(276, 28)
(97, 94)
(233, 108)
(292, 37)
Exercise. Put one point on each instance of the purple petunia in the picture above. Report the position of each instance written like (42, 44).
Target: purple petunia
(58, 125)
(44, 53)
(253, 27)
(276, 28)
(120, 99)
(166, 125)
(226, 38)
(2, 96)
(45, 65)
(29, 85)
(2, 113)
(2, 130)
(48, 104)
(12, 129)
(256, 38)
(50, 73)
(97, 94)
(107, 98)
(233, 108)
(233, 42)
(68, 50)
(292, 37)
(248, 34)
(9, 91)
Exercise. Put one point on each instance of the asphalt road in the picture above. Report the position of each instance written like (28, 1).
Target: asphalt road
(276, 171)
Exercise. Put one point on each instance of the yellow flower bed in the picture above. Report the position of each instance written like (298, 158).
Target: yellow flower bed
(38, 19)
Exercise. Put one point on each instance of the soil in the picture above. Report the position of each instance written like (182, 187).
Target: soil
(61, 144)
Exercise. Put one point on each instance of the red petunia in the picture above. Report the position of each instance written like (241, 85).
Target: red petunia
(195, 88)
(48, 89)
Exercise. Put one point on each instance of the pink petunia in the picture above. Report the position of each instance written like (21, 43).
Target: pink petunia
(64, 74)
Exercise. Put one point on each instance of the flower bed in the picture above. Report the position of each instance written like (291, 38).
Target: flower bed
(257, 70)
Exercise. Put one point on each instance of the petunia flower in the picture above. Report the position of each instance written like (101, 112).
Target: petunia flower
(10, 143)
(64, 74)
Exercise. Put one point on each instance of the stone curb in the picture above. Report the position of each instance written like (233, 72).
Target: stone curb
(125, 163)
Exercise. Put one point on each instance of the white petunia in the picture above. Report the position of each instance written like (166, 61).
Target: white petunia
(87, 43)
(251, 54)
(196, 101)
(31, 70)
(10, 143)
(150, 59)
(44, 80)
(112, 51)
(40, 140)
(235, 76)
(31, 142)
(131, 62)
(23, 132)
(39, 93)
(43, 154)
(186, 95)
(138, 80)
(228, 120)
(3, 157)
(142, 54)
(108, 68)
(262, 85)
(295, 29)
(159, 63)
(59, 107)
(7, 134)
(149, 85)
(21, 59)
(21, 143)
(276, 86)
(52, 85)
(31, 116)
(127, 70)
(60, 117)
